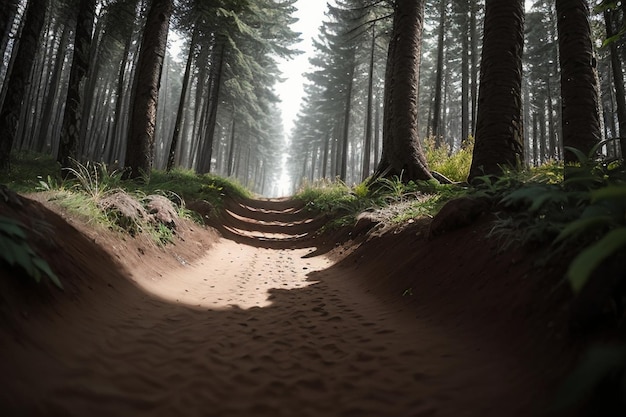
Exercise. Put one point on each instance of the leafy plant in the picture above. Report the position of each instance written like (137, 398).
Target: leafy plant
(15, 250)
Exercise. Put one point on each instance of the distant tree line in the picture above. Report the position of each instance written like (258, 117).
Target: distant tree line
(93, 80)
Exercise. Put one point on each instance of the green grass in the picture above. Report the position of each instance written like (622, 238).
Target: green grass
(454, 166)
(88, 183)
(391, 200)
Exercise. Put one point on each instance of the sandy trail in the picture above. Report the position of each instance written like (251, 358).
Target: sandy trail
(247, 330)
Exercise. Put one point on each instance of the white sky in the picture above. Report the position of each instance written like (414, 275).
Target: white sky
(310, 14)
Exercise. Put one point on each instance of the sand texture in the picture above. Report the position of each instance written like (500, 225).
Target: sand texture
(259, 323)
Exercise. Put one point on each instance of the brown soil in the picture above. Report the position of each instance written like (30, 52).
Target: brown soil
(272, 320)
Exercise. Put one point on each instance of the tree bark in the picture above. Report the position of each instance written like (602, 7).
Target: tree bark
(579, 86)
(140, 146)
(499, 131)
(402, 153)
(75, 94)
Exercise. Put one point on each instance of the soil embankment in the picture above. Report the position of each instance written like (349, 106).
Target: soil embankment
(261, 323)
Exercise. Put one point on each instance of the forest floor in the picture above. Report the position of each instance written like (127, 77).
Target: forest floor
(261, 316)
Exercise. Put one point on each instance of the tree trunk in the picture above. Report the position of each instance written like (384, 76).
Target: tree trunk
(80, 65)
(499, 130)
(402, 153)
(19, 76)
(8, 11)
(436, 121)
(474, 62)
(465, 76)
(346, 120)
(213, 104)
(579, 87)
(140, 146)
(181, 106)
(618, 81)
(231, 148)
(367, 145)
(50, 108)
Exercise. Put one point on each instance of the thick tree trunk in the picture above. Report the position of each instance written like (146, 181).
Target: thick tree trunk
(402, 153)
(19, 76)
(499, 130)
(74, 101)
(579, 87)
(140, 146)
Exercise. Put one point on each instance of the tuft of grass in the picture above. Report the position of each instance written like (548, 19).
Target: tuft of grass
(453, 165)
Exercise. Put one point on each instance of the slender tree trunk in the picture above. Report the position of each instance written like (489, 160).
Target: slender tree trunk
(367, 145)
(140, 146)
(213, 106)
(181, 106)
(436, 121)
(20, 74)
(80, 65)
(231, 148)
(465, 78)
(579, 87)
(50, 109)
(618, 81)
(499, 129)
(8, 12)
(346, 120)
(402, 151)
(474, 62)
(118, 118)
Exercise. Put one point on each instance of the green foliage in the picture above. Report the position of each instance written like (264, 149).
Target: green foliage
(16, 251)
(587, 212)
(455, 165)
(391, 199)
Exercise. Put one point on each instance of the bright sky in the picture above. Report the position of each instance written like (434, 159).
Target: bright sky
(310, 14)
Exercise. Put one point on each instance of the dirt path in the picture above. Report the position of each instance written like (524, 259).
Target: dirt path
(257, 327)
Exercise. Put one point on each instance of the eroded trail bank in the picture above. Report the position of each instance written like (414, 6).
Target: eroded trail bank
(258, 326)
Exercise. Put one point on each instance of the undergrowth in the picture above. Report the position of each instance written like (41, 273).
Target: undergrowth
(382, 197)
(80, 188)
